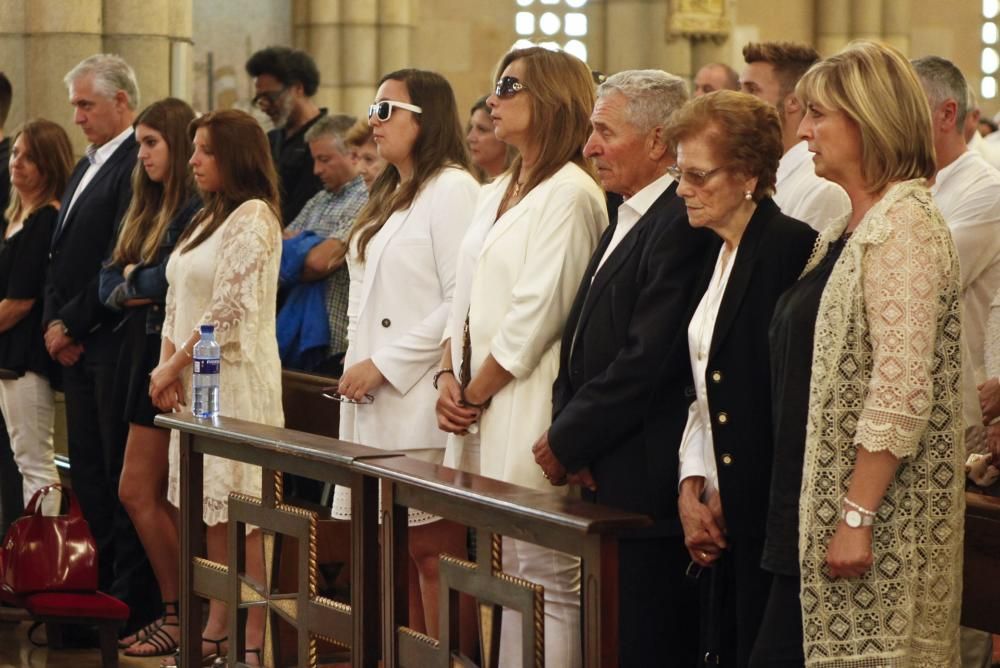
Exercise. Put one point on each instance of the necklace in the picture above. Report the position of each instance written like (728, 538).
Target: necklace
(517, 190)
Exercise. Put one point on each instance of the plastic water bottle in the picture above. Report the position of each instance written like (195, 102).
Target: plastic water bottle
(206, 354)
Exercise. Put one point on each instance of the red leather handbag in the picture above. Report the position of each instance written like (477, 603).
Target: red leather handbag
(49, 553)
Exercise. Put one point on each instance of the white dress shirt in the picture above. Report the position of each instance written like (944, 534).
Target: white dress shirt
(968, 194)
(697, 451)
(803, 195)
(97, 157)
(990, 150)
(631, 210)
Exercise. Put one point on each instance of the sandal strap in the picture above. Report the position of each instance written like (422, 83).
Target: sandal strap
(161, 642)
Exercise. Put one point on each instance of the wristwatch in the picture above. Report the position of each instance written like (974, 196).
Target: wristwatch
(856, 516)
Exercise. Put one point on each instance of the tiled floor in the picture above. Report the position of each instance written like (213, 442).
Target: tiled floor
(17, 652)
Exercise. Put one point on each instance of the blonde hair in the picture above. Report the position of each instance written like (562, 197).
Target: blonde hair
(561, 91)
(877, 88)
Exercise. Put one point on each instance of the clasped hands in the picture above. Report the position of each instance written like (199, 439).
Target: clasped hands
(60, 346)
(165, 387)
(554, 471)
(703, 522)
(453, 415)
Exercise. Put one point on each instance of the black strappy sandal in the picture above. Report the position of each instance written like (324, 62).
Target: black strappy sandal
(170, 609)
(218, 657)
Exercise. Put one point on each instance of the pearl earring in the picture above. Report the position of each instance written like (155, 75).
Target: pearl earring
(748, 195)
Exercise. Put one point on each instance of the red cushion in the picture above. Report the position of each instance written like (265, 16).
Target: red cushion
(67, 604)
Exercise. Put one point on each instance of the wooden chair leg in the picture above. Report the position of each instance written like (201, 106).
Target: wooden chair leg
(108, 632)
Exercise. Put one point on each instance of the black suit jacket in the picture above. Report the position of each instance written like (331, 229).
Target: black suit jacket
(83, 239)
(619, 401)
(772, 253)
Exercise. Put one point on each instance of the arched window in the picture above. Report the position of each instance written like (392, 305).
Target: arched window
(990, 59)
(554, 24)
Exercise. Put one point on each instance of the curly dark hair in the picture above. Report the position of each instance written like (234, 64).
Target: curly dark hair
(289, 66)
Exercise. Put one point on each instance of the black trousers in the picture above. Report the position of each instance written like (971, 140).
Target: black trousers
(779, 641)
(658, 604)
(733, 594)
(11, 485)
(97, 432)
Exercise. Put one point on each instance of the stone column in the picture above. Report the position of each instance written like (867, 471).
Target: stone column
(12, 57)
(354, 43)
(180, 32)
(833, 25)
(866, 19)
(896, 24)
(139, 32)
(57, 35)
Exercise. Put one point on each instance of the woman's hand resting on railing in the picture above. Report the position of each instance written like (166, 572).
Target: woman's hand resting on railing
(452, 416)
(360, 379)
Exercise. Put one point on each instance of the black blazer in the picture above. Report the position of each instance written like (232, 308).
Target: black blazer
(619, 401)
(83, 239)
(772, 253)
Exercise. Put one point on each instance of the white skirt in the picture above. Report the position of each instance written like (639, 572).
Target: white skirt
(342, 495)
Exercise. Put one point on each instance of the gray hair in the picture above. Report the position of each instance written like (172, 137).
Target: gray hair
(943, 81)
(652, 95)
(111, 74)
(332, 125)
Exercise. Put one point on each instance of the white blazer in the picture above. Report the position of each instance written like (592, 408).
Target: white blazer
(529, 268)
(397, 308)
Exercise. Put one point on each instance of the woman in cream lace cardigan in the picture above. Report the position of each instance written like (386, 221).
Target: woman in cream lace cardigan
(882, 501)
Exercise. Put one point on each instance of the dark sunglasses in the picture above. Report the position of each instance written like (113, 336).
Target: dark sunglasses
(508, 87)
(383, 110)
(271, 97)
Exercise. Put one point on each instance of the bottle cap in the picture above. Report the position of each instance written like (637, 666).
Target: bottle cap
(208, 329)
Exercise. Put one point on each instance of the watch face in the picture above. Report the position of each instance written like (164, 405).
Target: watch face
(852, 518)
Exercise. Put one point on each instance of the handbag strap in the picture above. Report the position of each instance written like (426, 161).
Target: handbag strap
(34, 506)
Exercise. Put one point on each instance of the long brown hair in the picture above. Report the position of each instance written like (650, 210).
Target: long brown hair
(154, 204)
(440, 142)
(49, 148)
(246, 171)
(562, 94)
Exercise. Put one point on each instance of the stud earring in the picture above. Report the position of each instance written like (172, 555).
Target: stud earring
(748, 195)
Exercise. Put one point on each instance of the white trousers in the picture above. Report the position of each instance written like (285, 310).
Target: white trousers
(28, 405)
(559, 573)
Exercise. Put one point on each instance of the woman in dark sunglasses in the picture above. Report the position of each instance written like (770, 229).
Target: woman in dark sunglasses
(521, 262)
(401, 257)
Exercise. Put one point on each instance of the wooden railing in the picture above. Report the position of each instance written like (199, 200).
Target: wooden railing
(373, 625)
(981, 593)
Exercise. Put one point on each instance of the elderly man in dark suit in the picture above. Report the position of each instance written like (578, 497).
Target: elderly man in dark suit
(620, 401)
(79, 331)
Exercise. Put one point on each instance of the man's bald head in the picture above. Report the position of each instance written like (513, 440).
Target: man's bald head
(715, 76)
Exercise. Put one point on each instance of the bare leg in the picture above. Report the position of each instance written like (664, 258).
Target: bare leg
(143, 492)
(426, 543)
(414, 600)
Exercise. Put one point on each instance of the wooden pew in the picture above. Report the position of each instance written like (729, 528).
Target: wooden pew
(981, 591)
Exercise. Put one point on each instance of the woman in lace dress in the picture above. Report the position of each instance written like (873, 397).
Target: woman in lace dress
(880, 517)
(224, 272)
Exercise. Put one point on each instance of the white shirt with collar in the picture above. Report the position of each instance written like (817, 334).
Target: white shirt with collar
(697, 450)
(803, 195)
(97, 156)
(990, 150)
(968, 194)
(631, 210)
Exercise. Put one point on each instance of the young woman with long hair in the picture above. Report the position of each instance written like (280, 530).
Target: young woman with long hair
(134, 282)
(401, 256)
(224, 272)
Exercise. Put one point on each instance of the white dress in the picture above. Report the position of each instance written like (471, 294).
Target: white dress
(231, 280)
(399, 302)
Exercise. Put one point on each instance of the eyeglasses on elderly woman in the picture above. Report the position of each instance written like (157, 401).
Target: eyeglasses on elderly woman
(508, 87)
(696, 178)
(383, 110)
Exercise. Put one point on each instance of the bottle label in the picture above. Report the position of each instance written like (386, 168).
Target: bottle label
(206, 366)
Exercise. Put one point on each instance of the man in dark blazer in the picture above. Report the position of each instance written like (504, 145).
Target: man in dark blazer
(621, 398)
(79, 331)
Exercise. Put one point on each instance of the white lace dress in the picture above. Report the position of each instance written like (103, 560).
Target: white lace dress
(231, 280)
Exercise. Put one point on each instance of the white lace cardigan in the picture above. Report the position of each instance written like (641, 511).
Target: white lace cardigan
(886, 375)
